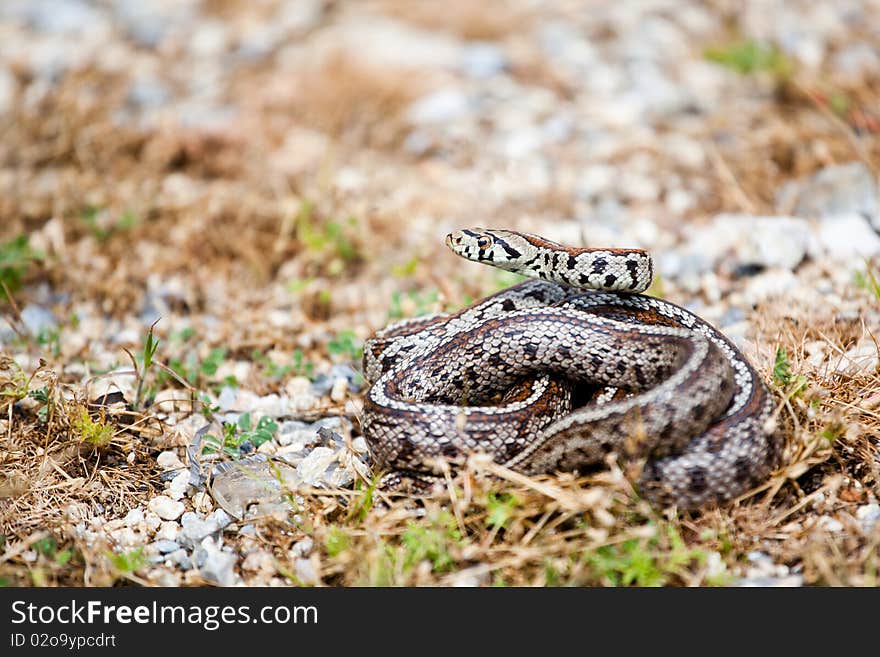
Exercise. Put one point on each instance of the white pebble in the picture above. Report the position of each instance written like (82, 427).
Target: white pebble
(166, 508)
(169, 461)
(168, 531)
(177, 487)
(339, 389)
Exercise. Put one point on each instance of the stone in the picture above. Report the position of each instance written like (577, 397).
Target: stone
(861, 358)
(168, 531)
(305, 572)
(166, 508)
(847, 237)
(177, 487)
(164, 546)
(134, 517)
(314, 466)
(169, 461)
(482, 60)
(38, 319)
(439, 107)
(868, 515)
(195, 529)
(215, 564)
(839, 190)
(339, 390)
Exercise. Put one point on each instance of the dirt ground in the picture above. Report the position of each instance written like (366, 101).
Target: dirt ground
(221, 200)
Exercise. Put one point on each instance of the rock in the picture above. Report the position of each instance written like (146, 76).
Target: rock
(134, 518)
(324, 383)
(830, 524)
(302, 548)
(169, 461)
(766, 582)
(299, 396)
(215, 564)
(768, 285)
(443, 106)
(859, 359)
(254, 480)
(314, 466)
(177, 487)
(259, 561)
(470, 577)
(856, 61)
(166, 508)
(305, 572)
(144, 23)
(195, 529)
(839, 190)
(848, 237)
(38, 319)
(168, 531)
(62, 16)
(764, 572)
(770, 242)
(126, 537)
(296, 433)
(482, 60)
(164, 546)
(868, 515)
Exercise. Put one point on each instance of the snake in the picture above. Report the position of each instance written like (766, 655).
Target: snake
(565, 370)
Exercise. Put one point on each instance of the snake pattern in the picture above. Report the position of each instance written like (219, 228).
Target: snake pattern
(555, 374)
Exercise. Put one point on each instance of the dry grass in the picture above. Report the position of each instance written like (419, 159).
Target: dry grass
(476, 21)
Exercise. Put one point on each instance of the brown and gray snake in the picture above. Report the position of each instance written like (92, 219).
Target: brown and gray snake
(555, 374)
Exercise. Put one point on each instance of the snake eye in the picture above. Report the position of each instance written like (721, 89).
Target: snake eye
(484, 242)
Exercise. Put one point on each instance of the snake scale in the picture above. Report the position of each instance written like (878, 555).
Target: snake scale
(554, 374)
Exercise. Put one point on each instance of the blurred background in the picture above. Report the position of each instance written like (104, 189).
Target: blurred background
(189, 154)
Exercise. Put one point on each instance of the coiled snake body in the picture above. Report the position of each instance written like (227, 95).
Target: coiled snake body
(554, 374)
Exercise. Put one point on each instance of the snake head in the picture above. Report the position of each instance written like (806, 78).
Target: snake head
(501, 248)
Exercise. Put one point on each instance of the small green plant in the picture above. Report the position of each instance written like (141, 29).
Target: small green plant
(361, 504)
(499, 509)
(16, 257)
(431, 543)
(784, 377)
(46, 546)
(833, 432)
(336, 542)
(345, 344)
(234, 435)
(645, 561)
(190, 369)
(44, 397)
(626, 564)
(413, 303)
(867, 280)
(127, 563)
(93, 217)
(749, 57)
(406, 269)
(298, 365)
(50, 338)
(503, 279)
(146, 363)
(330, 240)
(14, 383)
(94, 431)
